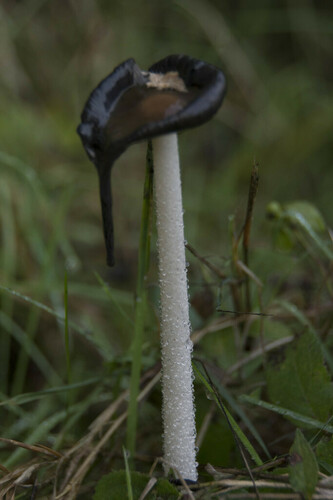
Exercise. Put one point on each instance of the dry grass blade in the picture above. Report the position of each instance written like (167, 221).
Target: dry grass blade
(10, 495)
(234, 483)
(219, 473)
(269, 496)
(214, 269)
(180, 478)
(97, 425)
(259, 352)
(35, 448)
(205, 424)
(71, 487)
(4, 469)
(151, 483)
(20, 476)
(246, 483)
(247, 271)
(49, 450)
(26, 474)
(71, 490)
(220, 324)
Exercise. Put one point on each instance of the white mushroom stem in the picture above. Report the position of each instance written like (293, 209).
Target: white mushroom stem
(176, 345)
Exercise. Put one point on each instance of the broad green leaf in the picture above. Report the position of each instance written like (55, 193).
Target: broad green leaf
(301, 382)
(324, 452)
(218, 445)
(113, 486)
(220, 347)
(308, 211)
(301, 317)
(284, 238)
(306, 227)
(298, 215)
(303, 468)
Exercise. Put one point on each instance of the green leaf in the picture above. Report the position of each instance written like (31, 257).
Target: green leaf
(301, 382)
(303, 320)
(324, 452)
(308, 211)
(303, 468)
(306, 227)
(113, 486)
(295, 216)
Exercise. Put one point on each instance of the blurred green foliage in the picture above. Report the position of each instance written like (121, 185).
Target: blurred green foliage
(278, 112)
(113, 487)
(301, 382)
(303, 467)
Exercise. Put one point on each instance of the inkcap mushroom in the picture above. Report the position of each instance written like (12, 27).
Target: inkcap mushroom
(130, 105)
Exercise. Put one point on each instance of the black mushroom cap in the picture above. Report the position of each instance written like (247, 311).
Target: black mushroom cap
(130, 105)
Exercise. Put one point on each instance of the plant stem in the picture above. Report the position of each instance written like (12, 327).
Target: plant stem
(176, 345)
(106, 206)
(254, 181)
(140, 301)
(70, 394)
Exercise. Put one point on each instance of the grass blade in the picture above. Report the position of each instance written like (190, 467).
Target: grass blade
(233, 424)
(28, 345)
(67, 348)
(237, 409)
(307, 421)
(128, 476)
(79, 329)
(28, 397)
(141, 299)
(115, 302)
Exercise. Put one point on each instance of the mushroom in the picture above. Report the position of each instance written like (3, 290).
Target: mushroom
(130, 105)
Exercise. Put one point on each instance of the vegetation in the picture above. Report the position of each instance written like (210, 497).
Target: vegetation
(258, 210)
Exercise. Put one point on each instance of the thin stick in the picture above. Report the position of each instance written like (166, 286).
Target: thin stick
(214, 269)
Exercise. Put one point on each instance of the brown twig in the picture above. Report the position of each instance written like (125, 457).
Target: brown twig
(214, 269)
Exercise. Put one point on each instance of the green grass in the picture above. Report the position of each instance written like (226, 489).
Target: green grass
(140, 300)
(67, 322)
